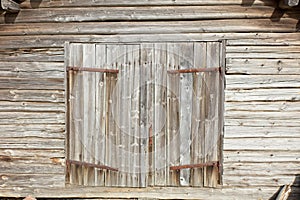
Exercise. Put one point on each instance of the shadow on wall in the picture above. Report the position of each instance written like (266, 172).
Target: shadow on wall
(278, 12)
(294, 193)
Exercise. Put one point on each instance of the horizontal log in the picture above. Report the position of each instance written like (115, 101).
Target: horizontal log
(246, 132)
(261, 156)
(178, 27)
(32, 54)
(263, 49)
(7, 106)
(290, 52)
(32, 96)
(165, 33)
(261, 169)
(32, 143)
(32, 156)
(87, 3)
(234, 82)
(266, 41)
(261, 122)
(248, 193)
(283, 144)
(31, 118)
(32, 69)
(262, 66)
(32, 83)
(137, 13)
(246, 181)
(282, 94)
(262, 115)
(32, 180)
(281, 106)
(19, 168)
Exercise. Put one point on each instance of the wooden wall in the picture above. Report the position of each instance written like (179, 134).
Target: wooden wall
(262, 98)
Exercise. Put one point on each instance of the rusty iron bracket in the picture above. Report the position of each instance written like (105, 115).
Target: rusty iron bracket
(90, 69)
(195, 70)
(69, 162)
(200, 165)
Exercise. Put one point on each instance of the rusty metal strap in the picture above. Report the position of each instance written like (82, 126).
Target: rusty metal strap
(200, 165)
(195, 70)
(90, 69)
(91, 165)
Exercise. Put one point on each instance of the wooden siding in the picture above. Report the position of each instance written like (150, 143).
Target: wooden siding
(261, 141)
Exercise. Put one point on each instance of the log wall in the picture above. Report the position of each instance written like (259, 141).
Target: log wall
(262, 99)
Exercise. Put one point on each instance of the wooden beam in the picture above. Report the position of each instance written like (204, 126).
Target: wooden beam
(10, 5)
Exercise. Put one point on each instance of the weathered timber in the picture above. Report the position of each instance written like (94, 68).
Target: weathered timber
(263, 66)
(100, 3)
(261, 156)
(249, 193)
(274, 94)
(33, 70)
(262, 81)
(198, 26)
(83, 14)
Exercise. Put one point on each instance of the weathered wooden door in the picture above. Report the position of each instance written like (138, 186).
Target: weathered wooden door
(144, 114)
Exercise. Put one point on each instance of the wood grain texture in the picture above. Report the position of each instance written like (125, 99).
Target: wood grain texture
(83, 14)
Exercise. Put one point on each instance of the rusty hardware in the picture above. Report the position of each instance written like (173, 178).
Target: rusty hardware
(90, 69)
(91, 165)
(200, 165)
(195, 70)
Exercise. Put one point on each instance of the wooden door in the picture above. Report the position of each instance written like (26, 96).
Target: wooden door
(137, 110)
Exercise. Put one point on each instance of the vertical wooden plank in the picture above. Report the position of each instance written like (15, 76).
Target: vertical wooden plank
(135, 119)
(132, 58)
(198, 114)
(186, 93)
(221, 107)
(89, 113)
(112, 130)
(145, 111)
(211, 125)
(68, 84)
(100, 144)
(173, 113)
(159, 115)
(76, 59)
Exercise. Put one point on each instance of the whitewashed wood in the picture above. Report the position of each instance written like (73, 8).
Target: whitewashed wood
(160, 168)
(32, 69)
(83, 14)
(100, 143)
(31, 54)
(31, 118)
(212, 135)
(18, 168)
(173, 114)
(262, 81)
(32, 106)
(278, 106)
(262, 66)
(31, 180)
(260, 169)
(185, 114)
(33, 83)
(257, 181)
(164, 32)
(31, 143)
(261, 144)
(290, 94)
(267, 42)
(246, 131)
(78, 3)
(262, 115)
(162, 193)
(198, 115)
(261, 156)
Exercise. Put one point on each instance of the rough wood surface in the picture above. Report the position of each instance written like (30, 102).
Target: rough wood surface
(83, 14)
(77, 3)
